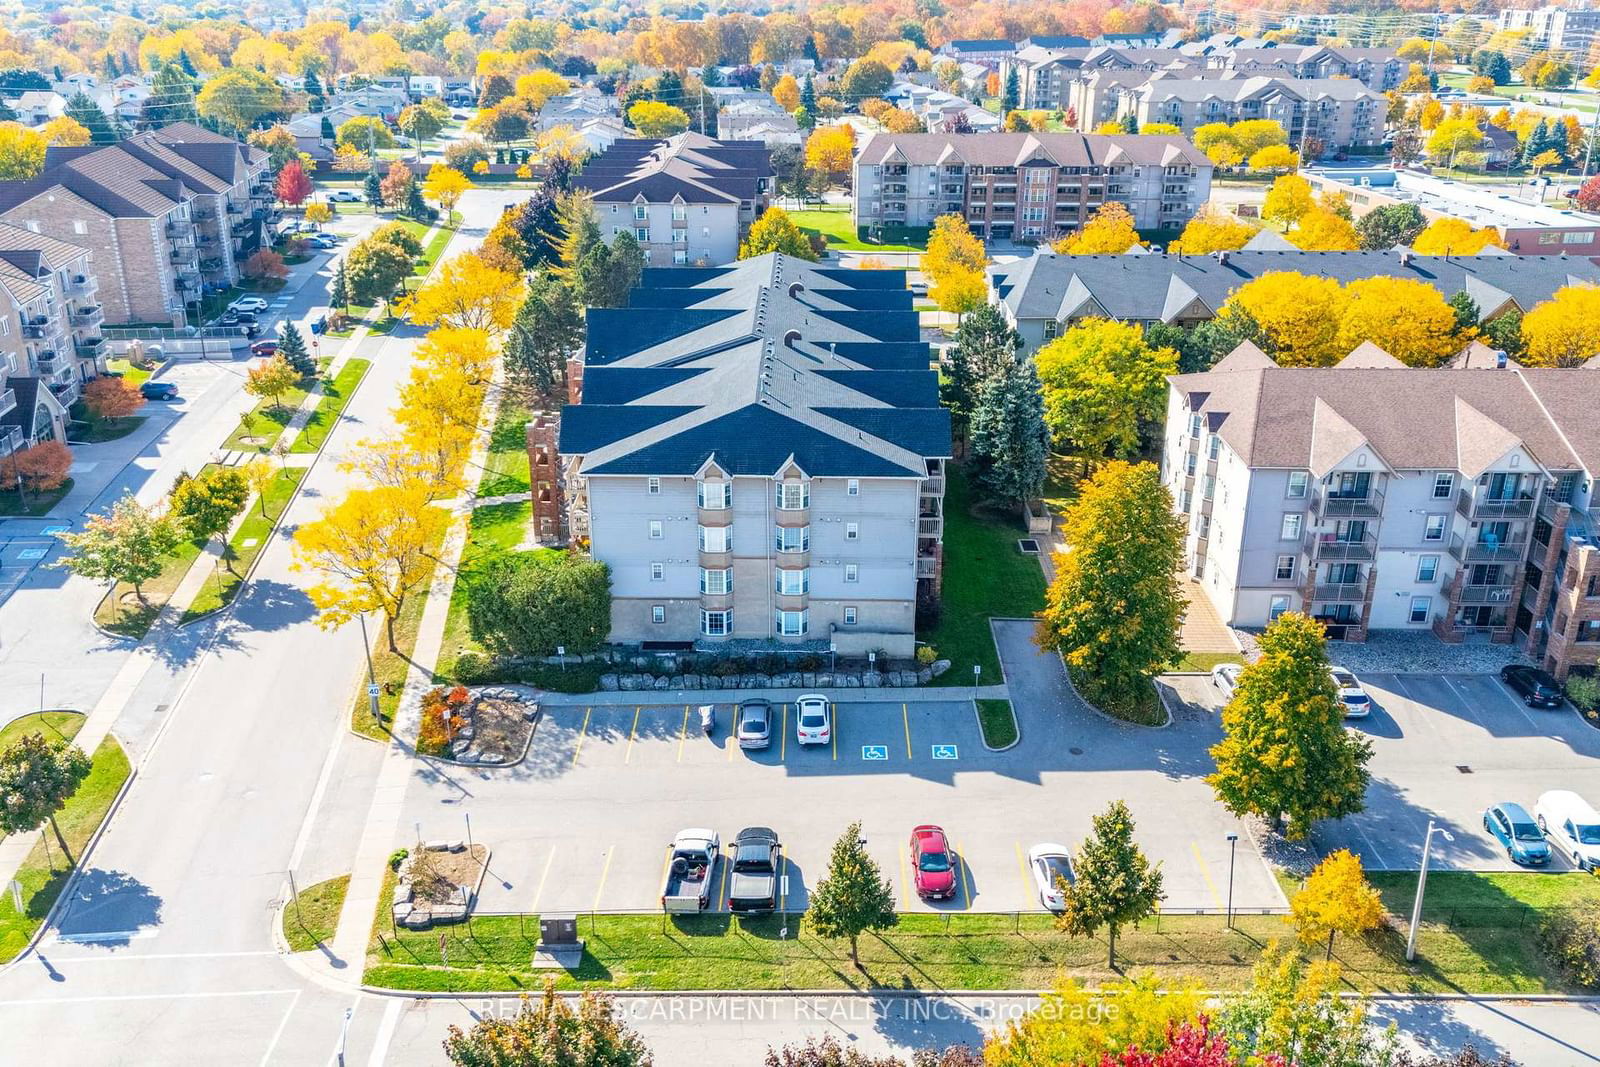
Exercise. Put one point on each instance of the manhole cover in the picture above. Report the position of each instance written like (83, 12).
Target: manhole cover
(1463, 768)
(1028, 545)
(1076, 751)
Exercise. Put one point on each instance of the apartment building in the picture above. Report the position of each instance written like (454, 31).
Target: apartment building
(1330, 112)
(1043, 294)
(570, 109)
(1569, 27)
(166, 215)
(1045, 75)
(1026, 185)
(1372, 496)
(687, 199)
(50, 341)
(757, 452)
(1379, 69)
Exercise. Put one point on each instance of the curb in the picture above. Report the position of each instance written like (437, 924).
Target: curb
(1014, 724)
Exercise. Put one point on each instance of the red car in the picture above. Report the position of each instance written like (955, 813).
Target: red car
(264, 348)
(934, 869)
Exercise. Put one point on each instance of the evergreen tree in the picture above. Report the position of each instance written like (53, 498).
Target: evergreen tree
(87, 113)
(1114, 885)
(6, 114)
(548, 330)
(1011, 94)
(985, 348)
(1536, 142)
(327, 131)
(1505, 333)
(171, 97)
(292, 347)
(187, 64)
(711, 77)
(808, 96)
(854, 896)
(607, 273)
(339, 294)
(372, 190)
(1466, 310)
(417, 207)
(1010, 445)
(1389, 226)
(1130, 123)
(313, 84)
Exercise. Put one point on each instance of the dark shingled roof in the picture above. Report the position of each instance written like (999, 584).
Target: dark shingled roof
(754, 363)
(690, 166)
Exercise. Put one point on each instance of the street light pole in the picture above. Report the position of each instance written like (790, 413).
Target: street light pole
(372, 677)
(1422, 883)
(1233, 848)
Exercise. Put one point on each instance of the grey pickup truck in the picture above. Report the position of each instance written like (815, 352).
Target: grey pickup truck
(757, 871)
(691, 871)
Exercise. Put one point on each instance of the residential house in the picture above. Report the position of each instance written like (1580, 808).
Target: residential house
(738, 117)
(757, 453)
(990, 53)
(35, 107)
(569, 109)
(939, 110)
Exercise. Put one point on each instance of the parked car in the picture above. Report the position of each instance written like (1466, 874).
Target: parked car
(253, 304)
(691, 871)
(1571, 825)
(1536, 688)
(153, 390)
(918, 288)
(344, 196)
(753, 724)
(1512, 826)
(322, 241)
(813, 721)
(1049, 865)
(265, 349)
(757, 869)
(933, 869)
(1352, 698)
(1225, 676)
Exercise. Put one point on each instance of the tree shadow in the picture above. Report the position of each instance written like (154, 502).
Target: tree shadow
(107, 908)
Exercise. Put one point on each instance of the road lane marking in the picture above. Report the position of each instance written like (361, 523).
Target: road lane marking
(905, 717)
(386, 1028)
(605, 870)
(539, 893)
(277, 1035)
(112, 998)
(581, 735)
(683, 734)
(632, 732)
(966, 881)
(1022, 868)
(1205, 872)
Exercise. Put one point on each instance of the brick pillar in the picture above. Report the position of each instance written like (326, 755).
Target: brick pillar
(544, 474)
(1445, 628)
(575, 380)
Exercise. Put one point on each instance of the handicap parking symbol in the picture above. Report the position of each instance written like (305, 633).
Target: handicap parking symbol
(875, 752)
(945, 752)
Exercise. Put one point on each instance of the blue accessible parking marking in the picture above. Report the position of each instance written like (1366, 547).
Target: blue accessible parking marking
(945, 752)
(875, 752)
(53, 530)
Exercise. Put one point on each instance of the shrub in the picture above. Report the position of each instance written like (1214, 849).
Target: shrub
(1584, 691)
(428, 883)
(438, 727)
(397, 857)
(926, 654)
(473, 668)
(530, 603)
(1570, 940)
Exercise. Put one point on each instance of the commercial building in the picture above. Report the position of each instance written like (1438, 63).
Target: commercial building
(757, 452)
(1026, 185)
(1373, 496)
(1042, 294)
(1528, 227)
(1334, 113)
(686, 199)
(166, 215)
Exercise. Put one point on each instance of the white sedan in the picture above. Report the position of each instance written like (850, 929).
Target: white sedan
(1050, 865)
(1225, 676)
(1353, 699)
(813, 721)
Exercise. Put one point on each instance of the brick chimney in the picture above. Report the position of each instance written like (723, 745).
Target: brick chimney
(574, 380)
(544, 474)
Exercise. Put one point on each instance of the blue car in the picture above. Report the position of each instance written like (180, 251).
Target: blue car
(159, 391)
(1514, 828)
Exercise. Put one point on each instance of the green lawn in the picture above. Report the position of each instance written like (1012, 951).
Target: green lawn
(53, 724)
(975, 951)
(507, 468)
(335, 396)
(1204, 661)
(123, 614)
(45, 871)
(984, 577)
(998, 722)
(93, 431)
(434, 246)
(36, 503)
(493, 528)
(1063, 473)
(247, 543)
(834, 223)
(260, 429)
(311, 918)
(130, 374)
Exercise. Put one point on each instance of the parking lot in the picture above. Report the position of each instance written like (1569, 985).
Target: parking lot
(1445, 747)
(584, 822)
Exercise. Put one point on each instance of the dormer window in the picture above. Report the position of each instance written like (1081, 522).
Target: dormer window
(641, 212)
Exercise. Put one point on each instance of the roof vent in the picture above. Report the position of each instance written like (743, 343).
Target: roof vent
(1222, 255)
(791, 338)
(1406, 256)
(795, 289)
(1500, 359)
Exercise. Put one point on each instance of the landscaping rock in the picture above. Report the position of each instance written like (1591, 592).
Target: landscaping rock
(402, 893)
(608, 683)
(890, 679)
(661, 683)
(710, 681)
(809, 679)
(492, 758)
(924, 676)
(417, 919)
(402, 911)
(870, 680)
(908, 679)
(850, 681)
(454, 845)
(691, 681)
(460, 747)
(819, 681)
(677, 682)
(940, 666)
(531, 713)
(449, 913)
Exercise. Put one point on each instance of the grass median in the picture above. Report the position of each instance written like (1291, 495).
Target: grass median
(246, 544)
(311, 918)
(335, 397)
(998, 723)
(839, 228)
(123, 613)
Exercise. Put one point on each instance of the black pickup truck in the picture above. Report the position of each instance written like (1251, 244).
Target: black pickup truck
(757, 871)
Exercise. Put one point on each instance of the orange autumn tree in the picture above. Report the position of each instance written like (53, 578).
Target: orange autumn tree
(38, 469)
(111, 398)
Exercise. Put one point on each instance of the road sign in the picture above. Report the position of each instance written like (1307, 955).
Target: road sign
(372, 690)
(875, 752)
(16, 895)
(945, 752)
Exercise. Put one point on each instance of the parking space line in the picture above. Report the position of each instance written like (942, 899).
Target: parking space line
(581, 735)
(666, 861)
(632, 732)
(1466, 701)
(605, 870)
(905, 717)
(1205, 872)
(683, 734)
(834, 733)
(1518, 703)
(1022, 869)
(722, 882)
(538, 893)
(966, 878)
(783, 734)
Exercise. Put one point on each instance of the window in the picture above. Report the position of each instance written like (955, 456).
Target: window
(852, 531)
(1189, 464)
(1052, 328)
(792, 538)
(1213, 446)
(1209, 489)
(1285, 569)
(1290, 529)
(678, 213)
(716, 538)
(852, 487)
(658, 572)
(1443, 483)
(1298, 481)
(80, 227)
(1203, 530)
(641, 212)
(1277, 606)
(1194, 424)
(658, 613)
(641, 234)
(793, 496)
(1588, 632)
(716, 623)
(680, 256)
(657, 531)
(791, 623)
(1420, 606)
(1427, 568)
(714, 495)
(852, 572)
(849, 615)
(1433, 528)
(793, 582)
(1565, 486)
(654, 486)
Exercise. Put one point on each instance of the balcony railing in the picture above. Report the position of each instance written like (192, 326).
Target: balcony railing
(10, 440)
(67, 394)
(1340, 592)
(927, 566)
(1332, 504)
(90, 347)
(1482, 506)
(79, 285)
(1488, 549)
(1486, 594)
(1331, 548)
(89, 316)
(8, 401)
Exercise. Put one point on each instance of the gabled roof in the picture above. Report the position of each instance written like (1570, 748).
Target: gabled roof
(690, 165)
(1369, 356)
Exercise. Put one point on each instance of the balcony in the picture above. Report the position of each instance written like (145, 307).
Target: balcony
(1486, 594)
(1483, 506)
(929, 526)
(927, 567)
(1488, 549)
(50, 364)
(67, 393)
(179, 228)
(235, 209)
(90, 347)
(93, 315)
(1340, 592)
(30, 330)
(1330, 503)
(10, 440)
(79, 285)
(212, 264)
(8, 401)
(1333, 549)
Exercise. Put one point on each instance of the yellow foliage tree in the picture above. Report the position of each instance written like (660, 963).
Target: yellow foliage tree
(954, 264)
(1430, 114)
(21, 152)
(1212, 231)
(1321, 230)
(1564, 331)
(655, 119)
(1452, 136)
(1287, 200)
(1078, 1025)
(830, 150)
(1424, 335)
(1275, 157)
(1336, 899)
(1299, 314)
(1109, 231)
(444, 186)
(66, 131)
(959, 293)
(1109, 128)
(468, 293)
(437, 414)
(1454, 237)
(537, 87)
(319, 213)
(1160, 129)
(787, 92)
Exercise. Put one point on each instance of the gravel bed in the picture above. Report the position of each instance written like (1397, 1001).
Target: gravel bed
(1408, 652)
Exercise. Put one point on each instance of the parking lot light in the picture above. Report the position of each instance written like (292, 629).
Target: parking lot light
(1422, 882)
(1233, 846)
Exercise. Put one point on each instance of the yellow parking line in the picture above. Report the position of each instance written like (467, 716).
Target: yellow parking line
(835, 732)
(683, 733)
(733, 730)
(1022, 868)
(581, 735)
(603, 872)
(905, 717)
(666, 861)
(966, 880)
(632, 731)
(1205, 872)
(539, 893)
(722, 882)
(783, 734)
